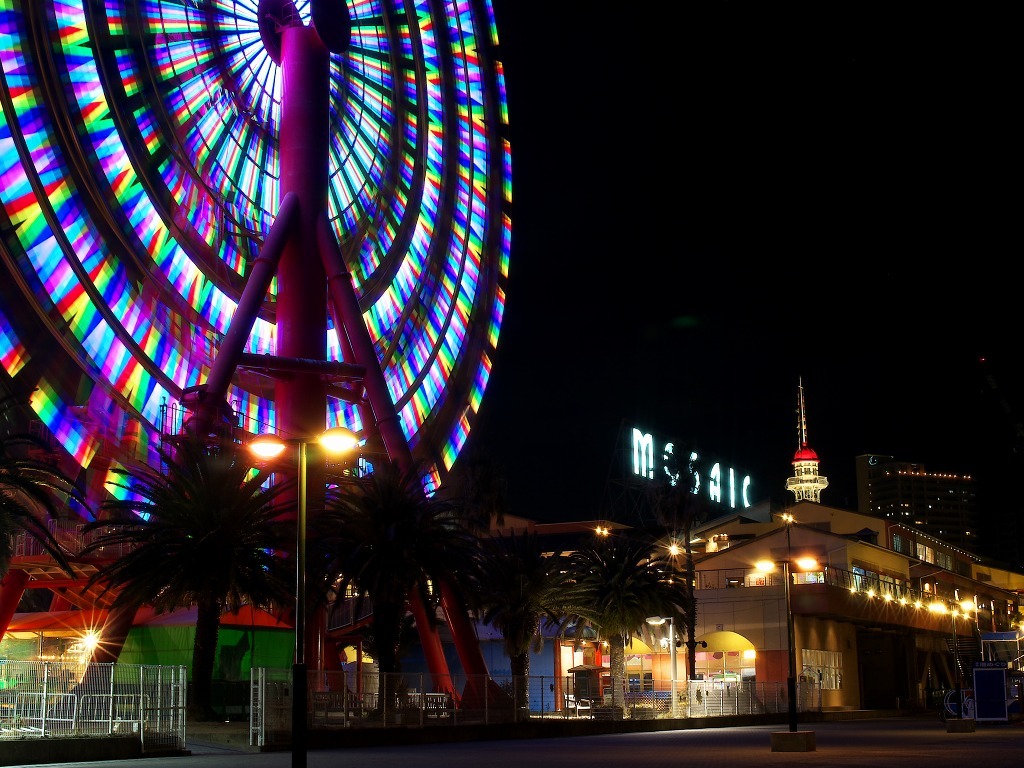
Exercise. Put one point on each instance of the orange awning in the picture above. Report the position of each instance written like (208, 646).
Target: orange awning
(74, 623)
(57, 623)
(247, 616)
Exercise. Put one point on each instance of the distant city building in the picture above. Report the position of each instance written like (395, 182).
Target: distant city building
(806, 484)
(941, 504)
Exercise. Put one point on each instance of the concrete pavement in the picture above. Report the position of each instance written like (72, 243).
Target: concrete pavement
(903, 742)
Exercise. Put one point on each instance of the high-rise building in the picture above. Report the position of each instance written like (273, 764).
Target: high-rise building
(941, 504)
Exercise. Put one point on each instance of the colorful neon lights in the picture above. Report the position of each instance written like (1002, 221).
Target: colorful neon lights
(134, 235)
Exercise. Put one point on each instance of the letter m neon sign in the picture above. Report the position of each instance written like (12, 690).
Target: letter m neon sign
(643, 454)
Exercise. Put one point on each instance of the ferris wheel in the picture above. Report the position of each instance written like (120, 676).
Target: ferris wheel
(141, 152)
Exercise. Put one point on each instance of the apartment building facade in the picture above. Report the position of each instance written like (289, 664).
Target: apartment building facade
(878, 621)
(939, 503)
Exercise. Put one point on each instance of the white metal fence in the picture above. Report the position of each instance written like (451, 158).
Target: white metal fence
(342, 699)
(41, 699)
(48, 699)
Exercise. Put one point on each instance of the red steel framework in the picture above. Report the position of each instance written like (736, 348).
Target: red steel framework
(302, 251)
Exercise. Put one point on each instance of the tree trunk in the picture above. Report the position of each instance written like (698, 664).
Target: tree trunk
(617, 664)
(519, 664)
(387, 632)
(204, 651)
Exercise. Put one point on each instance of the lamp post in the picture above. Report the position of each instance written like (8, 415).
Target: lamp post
(791, 635)
(768, 566)
(791, 642)
(966, 606)
(658, 621)
(335, 440)
(805, 563)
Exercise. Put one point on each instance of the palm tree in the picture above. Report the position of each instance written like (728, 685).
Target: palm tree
(617, 584)
(678, 507)
(31, 492)
(206, 532)
(519, 584)
(383, 538)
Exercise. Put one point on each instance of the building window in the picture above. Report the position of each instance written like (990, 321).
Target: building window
(858, 577)
(926, 554)
(822, 668)
(809, 577)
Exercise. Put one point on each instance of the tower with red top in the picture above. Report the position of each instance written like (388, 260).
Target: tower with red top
(806, 483)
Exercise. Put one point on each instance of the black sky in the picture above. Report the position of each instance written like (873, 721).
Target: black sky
(714, 201)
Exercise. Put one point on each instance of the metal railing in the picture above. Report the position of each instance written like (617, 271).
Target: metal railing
(71, 538)
(892, 590)
(57, 699)
(339, 699)
(54, 699)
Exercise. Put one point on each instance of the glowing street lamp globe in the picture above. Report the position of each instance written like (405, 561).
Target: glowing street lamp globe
(335, 440)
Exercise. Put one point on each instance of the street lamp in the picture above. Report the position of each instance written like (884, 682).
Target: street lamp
(766, 566)
(967, 606)
(657, 621)
(336, 440)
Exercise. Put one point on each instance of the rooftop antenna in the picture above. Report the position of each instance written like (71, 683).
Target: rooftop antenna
(801, 427)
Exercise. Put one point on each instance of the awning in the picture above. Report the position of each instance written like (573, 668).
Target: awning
(78, 622)
(56, 623)
(638, 646)
(724, 641)
(247, 616)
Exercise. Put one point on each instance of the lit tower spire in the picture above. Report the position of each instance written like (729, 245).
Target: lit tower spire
(806, 483)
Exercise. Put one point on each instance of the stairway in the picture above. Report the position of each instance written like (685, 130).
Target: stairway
(966, 649)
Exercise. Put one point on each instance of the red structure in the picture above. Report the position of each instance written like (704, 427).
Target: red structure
(306, 258)
(139, 251)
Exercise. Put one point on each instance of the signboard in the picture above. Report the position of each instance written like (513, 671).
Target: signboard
(990, 693)
(653, 459)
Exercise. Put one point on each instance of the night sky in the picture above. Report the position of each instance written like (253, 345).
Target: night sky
(711, 203)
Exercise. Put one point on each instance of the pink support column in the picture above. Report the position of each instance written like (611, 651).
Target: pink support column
(301, 397)
(309, 257)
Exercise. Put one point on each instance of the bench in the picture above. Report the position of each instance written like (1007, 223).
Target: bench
(436, 704)
(432, 704)
(574, 705)
(329, 703)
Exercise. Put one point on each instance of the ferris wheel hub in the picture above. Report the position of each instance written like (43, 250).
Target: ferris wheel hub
(330, 18)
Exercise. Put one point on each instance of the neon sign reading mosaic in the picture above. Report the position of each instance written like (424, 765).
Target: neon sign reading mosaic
(723, 485)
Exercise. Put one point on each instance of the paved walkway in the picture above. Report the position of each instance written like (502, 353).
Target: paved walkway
(905, 742)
